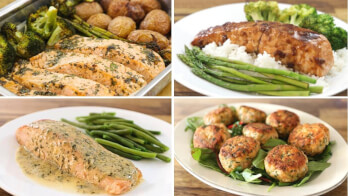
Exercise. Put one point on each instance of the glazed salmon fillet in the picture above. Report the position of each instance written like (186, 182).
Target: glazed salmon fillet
(59, 84)
(78, 154)
(119, 78)
(297, 48)
(142, 60)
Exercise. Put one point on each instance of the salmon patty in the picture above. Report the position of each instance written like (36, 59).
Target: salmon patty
(248, 114)
(223, 115)
(210, 136)
(283, 121)
(260, 132)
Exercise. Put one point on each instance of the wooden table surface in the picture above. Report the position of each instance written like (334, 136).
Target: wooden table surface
(337, 8)
(332, 111)
(13, 108)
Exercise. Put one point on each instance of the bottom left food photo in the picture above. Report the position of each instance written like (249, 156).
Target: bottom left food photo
(86, 146)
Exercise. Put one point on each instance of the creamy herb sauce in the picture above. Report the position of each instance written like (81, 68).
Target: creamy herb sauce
(50, 175)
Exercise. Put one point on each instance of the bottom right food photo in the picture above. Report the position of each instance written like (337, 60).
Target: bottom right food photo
(260, 146)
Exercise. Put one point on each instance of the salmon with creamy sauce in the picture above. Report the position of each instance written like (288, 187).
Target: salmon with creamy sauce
(57, 83)
(297, 48)
(79, 155)
(117, 77)
(142, 60)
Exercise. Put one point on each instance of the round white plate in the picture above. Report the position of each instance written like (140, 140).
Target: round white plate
(187, 28)
(324, 182)
(157, 175)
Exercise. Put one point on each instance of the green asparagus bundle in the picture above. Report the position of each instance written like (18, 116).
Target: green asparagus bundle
(122, 136)
(241, 76)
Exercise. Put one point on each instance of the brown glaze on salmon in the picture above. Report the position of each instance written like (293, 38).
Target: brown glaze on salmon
(142, 60)
(300, 49)
(117, 77)
(78, 154)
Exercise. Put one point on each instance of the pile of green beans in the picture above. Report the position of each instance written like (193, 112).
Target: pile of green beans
(122, 136)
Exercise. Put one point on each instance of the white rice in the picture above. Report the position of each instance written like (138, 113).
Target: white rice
(236, 52)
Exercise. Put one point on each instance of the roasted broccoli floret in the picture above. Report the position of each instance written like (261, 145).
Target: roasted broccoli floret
(7, 56)
(261, 10)
(62, 30)
(296, 14)
(26, 44)
(43, 21)
(66, 7)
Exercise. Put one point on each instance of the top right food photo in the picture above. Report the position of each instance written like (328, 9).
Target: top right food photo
(260, 48)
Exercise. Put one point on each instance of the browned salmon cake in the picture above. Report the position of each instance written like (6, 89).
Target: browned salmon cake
(117, 77)
(142, 60)
(78, 154)
(60, 84)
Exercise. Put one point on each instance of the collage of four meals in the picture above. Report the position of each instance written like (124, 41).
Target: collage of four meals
(173, 97)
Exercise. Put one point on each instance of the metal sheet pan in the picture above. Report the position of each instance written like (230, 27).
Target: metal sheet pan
(18, 11)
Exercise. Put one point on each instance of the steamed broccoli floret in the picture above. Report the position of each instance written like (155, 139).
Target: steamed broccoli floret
(7, 56)
(321, 23)
(26, 44)
(43, 21)
(62, 30)
(338, 38)
(261, 10)
(296, 14)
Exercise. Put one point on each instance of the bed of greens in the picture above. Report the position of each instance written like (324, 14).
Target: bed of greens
(256, 174)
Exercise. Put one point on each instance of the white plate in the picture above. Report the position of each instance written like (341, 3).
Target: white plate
(187, 28)
(324, 182)
(157, 175)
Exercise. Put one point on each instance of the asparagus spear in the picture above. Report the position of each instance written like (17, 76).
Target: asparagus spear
(288, 80)
(285, 93)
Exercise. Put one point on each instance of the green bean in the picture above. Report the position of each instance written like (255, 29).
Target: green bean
(134, 139)
(123, 154)
(118, 138)
(83, 126)
(95, 117)
(103, 113)
(103, 121)
(163, 158)
(150, 139)
(138, 146)
(121, 132)
(154, 132)
(109, 138)
(125, 149)
(124, 126)
(153, 148)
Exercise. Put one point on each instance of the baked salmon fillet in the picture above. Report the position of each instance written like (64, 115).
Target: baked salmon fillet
(20, 90)
(300, 49)
(59, 84)
(78, 154)
(142, 60)
(119, 78)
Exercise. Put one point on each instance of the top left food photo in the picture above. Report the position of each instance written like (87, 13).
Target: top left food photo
(85, 48)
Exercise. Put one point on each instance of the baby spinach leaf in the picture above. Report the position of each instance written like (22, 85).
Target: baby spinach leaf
(206, 157)
(249, 176)
(304, 180)
(314, 166)
(325, 155)
(193, 123)
(271, 143)
(258, 162)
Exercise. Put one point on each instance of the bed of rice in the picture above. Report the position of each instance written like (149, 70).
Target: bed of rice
(236, 52)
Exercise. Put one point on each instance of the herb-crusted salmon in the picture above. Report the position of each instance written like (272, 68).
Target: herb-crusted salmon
(76, 153)
(144, 61)
(117, 77)
(20, 90)
(60, 84)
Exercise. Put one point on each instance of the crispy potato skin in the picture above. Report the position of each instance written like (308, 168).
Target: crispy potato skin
(135, 11)
(248, 114)
(118, 8)
(157, 20)
(99, 20)
(223, 115)
(312, 139)
(147, 36)
(260, 132)
(238, 151)
(105, 4)
(122, 26)
(210, 136)
(148, 5)
(87, 9)
(286, 163)
(283, 121)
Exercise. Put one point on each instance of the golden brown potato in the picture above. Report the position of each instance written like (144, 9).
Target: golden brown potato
(87, 9)
(99, 20)
(148, 5)
(105, 4)
(135, 11)
(156, 20)
(118, 8)
(122, 26)
(147, 36)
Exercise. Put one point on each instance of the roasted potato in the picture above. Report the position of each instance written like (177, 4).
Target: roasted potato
(105, 4)
(156, 20)
(100, 20)
(135, 11)
(147, 36)
(122, 26)
(87, 9)
(118, 8)
(148, 5)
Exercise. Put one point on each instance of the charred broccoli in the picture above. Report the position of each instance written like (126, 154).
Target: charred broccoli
(26, 44)
(296, 14)
(7, 56)
(66, 7)
(43, 21)
(62, 30)
(261, 10)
